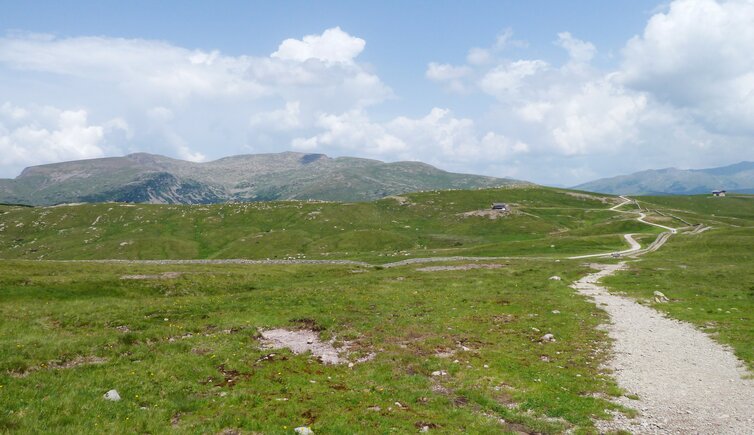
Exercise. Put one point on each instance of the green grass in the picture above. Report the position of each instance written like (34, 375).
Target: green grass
(187, 337)
(709, 277)
(52, 312)
(544, 222)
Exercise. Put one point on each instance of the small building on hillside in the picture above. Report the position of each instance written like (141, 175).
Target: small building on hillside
(718, 192)
(500, 206)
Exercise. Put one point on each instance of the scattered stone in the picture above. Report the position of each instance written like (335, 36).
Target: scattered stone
(112, 395)
(375, 408)
(547, 338)
(555, 278)
(660, 297)
(303, 430)
(424, 429)
(555, 312)
(439, 373)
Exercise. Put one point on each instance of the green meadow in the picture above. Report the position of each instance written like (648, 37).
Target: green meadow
(455, 350)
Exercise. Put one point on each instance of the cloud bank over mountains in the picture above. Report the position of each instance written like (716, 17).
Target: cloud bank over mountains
(679, 93)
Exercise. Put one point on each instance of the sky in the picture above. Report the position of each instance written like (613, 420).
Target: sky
(553, 92)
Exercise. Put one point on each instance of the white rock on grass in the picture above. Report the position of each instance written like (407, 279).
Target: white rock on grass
(555, 278)
(439, 373)
(303, 430)
(548, 338)
(112, 395)
(660, 297)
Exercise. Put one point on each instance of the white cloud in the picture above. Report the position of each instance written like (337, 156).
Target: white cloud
(36, 135)
(192, 156)
(438, 137)
(478, 56)
(176, 100)
(698, 57)
(508, 78)
(578, 50)
(287, 118)
(442, 72)
(334, 45)
(450, 75)
(599, 117)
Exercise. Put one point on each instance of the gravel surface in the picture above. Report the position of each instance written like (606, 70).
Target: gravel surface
(686, 382)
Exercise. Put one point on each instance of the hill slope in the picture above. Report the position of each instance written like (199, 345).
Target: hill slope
(542, 221)
(258, 177)
(737, 178)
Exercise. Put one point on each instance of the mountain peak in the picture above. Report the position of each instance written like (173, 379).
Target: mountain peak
(738, 177)
(145, 177)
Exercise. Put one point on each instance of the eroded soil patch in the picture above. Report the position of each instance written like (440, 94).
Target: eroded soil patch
(306, 340)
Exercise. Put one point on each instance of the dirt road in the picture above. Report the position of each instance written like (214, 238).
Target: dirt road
(686, 382)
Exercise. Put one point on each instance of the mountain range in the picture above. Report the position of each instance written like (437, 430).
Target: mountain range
(150, 178)
(671, 181)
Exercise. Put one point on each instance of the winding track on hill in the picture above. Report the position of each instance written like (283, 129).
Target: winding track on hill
(635, 248)
(686, 382)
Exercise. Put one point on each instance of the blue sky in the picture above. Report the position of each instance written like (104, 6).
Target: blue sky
(552, 92)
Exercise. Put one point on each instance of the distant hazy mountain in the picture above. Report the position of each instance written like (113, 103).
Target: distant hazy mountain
(671, 181)
(255, 177)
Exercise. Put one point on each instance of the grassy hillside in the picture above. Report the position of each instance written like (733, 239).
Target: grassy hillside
(456, 350)
(709, 277)
(543, 221)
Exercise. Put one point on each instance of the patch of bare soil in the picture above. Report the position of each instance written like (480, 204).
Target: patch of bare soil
(164, 275)
(490, 214)
(470, 266)
(306, 340)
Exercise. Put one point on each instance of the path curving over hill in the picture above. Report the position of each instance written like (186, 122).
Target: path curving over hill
(686, 382)
(635, 249)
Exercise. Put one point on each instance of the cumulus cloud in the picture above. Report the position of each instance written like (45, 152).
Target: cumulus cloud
(509, 78)
(333, 45)
(178, 100)
(36, 135)
(438, 137)
(287, 118)
(442, 72)
(448, 74)
(578, 50)
(697, 56)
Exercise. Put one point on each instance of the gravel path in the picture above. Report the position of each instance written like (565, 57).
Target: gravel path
(686, 383)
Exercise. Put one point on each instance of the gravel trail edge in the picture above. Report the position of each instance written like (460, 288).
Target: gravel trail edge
(686, 382)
